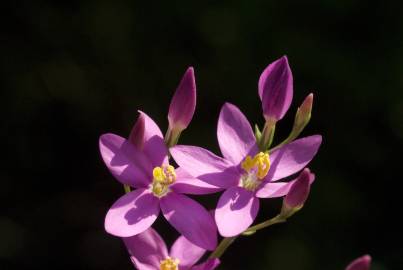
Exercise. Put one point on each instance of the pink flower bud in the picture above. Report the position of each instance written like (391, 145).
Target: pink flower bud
(136, 136)
(299, 190)
(362, 263)
(183, 102)
(276, 89)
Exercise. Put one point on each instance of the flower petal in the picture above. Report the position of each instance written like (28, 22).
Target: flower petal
(190, 219)
(210, 264)
(154, 145)
(185, 183)
(235, 135)
(142, 266)
(273, 190)
(206, 166)
(236, 210)
(124, 161)
(132, 214)
(147, 247)
(292, 157)
(278, 189)
(276, 89)
(187, 253)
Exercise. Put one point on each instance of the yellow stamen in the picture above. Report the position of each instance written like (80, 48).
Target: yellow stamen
(260, 162)
(162, 177)
(169, 264)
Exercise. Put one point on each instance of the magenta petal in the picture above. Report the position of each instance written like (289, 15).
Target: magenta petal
(362, 263)
(187, 184)
(236, 210)
(210, 264)
(183, 103)
(235, 135)
(206, 166)
(147, 248)
(187, 253)
(276, 89)
(273, 190)
(136, 136)
(154, 145)
(142, 266)
(190, 219)
(132, 214)
(124, 161)
(293, 157)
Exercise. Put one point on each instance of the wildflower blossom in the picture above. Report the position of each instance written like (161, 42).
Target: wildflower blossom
(246, 173)
(149, 252)
(142, 163)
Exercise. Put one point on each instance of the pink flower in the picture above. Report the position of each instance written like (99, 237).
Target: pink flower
(142, 162)
(361, 263)
(149, 252)
(244, 172)
(276, 89)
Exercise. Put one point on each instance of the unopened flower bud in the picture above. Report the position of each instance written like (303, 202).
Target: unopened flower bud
(362, 263)
(276, 89)
(298, 193)
(182, 107)
(302, 116)
(136, 136)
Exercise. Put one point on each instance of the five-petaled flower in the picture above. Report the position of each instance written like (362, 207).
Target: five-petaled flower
(142, 162)
(246, 173)
(148, 251)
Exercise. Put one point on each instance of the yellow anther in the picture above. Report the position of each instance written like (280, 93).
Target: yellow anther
(260, 163)
(163, 177)
(169, 264)
(158, 174)
(247, 164)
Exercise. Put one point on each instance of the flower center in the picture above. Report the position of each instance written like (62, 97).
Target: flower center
(169, 264)
(256, 169)
(162, 177)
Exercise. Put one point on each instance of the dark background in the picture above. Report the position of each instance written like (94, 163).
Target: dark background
(71, 71)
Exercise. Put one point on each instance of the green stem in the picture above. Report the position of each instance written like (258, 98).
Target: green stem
(222, 247)
(277, 219)
(226, 242)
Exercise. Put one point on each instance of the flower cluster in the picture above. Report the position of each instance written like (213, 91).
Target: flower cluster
(249, 169)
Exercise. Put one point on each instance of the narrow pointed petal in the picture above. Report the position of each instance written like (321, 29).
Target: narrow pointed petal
(236, 210)
(183, 103)
(187, 253)
(154, 145)
(142, 266)
(210, 264)
(127, 164)
(273, 190)
(299, 190)
(191, 219)
(293, 157)
(187, 184)
(362, 263)
(235, 135)
(147, 248)
(132, 214)
(276, 89)
(206, 166)
(278, 189)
